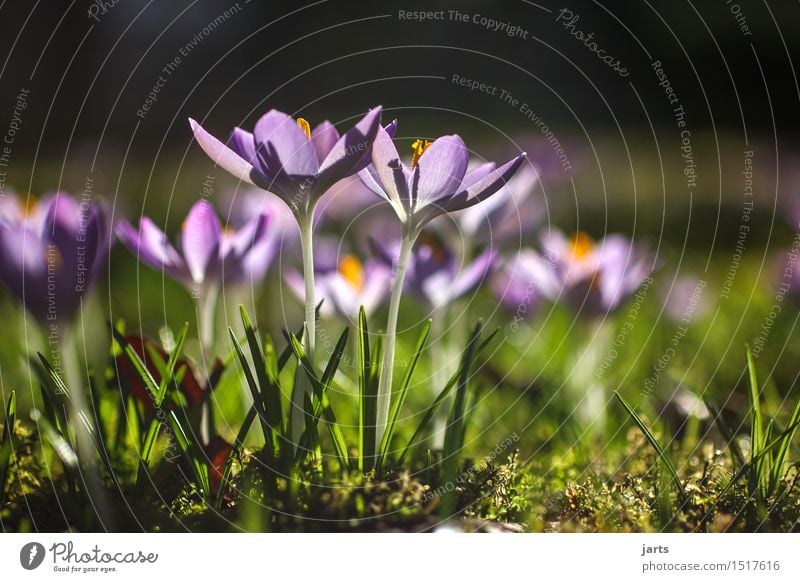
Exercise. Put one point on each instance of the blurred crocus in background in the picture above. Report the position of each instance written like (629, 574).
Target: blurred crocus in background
(436, 183)
(348, 286)
(278, 239)
(207, 253)
(593, 279)
(508, 217)
(50, 254)
(434, 275)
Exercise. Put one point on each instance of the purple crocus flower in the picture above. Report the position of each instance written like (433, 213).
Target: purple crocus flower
(286, 157)
(206, 250)
(437, 181)
(51, 252)
(434, 275)
(348, 287)
(282, 230)
(523, 280)
(592, 277)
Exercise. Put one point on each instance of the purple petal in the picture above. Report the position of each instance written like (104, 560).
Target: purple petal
(324, 136)
(387, 171)
(623, 269)
(377, 285)
(345, 156)
(200, 240)
(440, 170)
(150, 245)
(24, 259)
(222, 155)
(471, 277)
(243, 144)
(283, 148)
(239, 243)
(481, 189)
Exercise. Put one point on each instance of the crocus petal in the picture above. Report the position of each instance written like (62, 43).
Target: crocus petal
(23, 267)
(324, 136)
(471, 277)
(283, 148)
(439, 171)
(150, 246)
(222, 155)
(471, 194)
(243, 144)
(622, 270)
(242, 241)
(200, 240)
(377, 285)
(388, 171)
(347, 153)
(247, 253)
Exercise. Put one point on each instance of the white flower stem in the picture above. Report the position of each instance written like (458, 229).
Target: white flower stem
(303, 385)
(207, 310)
(385, 379)
(72, 374)
(307, 248)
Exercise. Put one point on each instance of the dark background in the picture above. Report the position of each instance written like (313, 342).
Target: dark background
(333, 59)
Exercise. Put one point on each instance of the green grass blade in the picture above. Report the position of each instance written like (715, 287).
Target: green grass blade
(10, 418)
(725, 429)
(438, 401)
(759, 476)
(676, 480)
(258, 402)
(190, 450)
(782, 451)
(397, 405)
(7, 444)
(61, 447)
(312, 443)
(269, 389)
(140, 367)
(367, 397)
(454, 434)
(168, 375)
(235, 451)
(322, 405)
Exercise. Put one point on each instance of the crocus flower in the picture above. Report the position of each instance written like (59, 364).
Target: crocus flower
(593, 277)
(434, 275)
(286, 157)
(206, 254)
(523, 280)
(437, 182)
(51, 252)
(351, 285)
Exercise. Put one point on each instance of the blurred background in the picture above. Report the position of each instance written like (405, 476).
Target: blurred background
(607, 142)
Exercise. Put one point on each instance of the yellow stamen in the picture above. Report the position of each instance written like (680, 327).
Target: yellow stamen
(351, 269)
(30, 206)
(305, 126)
(419, 147)
(582, 245)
